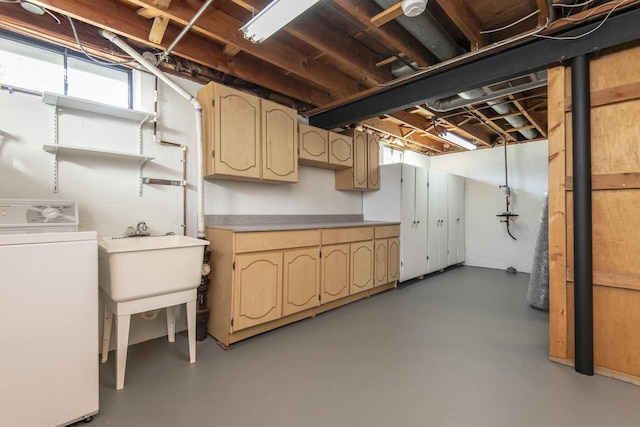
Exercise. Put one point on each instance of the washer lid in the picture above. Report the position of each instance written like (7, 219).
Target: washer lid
(48, 214)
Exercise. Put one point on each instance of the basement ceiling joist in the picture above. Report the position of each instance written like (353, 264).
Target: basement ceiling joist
(338, 62)
(533, 56)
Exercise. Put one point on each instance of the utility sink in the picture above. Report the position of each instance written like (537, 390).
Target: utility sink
(142, 267)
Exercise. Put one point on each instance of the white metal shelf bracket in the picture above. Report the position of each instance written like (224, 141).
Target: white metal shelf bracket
(55, 155)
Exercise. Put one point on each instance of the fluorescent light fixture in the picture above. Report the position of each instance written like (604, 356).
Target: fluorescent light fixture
(274, 16)
(458, 140)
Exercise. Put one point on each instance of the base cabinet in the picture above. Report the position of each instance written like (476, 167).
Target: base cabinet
(361, 266)
(258, 285)
(335, 272)
(301, 280)
(262, 280)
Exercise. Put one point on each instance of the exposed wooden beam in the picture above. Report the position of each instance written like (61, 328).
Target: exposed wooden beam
(397, 130)
(158, 29)
(390, 60)
(518, 129)
(113, 16)
(231, 50)
(466, 20)
(392, 36)
(492, 125)
(387, 15)
(533, 118)
(160, 22)
(223, 28)
(361, 61)
(543, 7)
(148, 13)
(246, 6)
(346, 51)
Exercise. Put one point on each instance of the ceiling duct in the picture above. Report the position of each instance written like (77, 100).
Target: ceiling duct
(428, 31)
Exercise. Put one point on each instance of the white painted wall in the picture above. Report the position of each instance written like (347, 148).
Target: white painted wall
(314, 193)
(389, 155)
(487, 242)
(107, 189)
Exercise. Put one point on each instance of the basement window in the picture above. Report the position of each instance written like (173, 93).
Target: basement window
(40, 66)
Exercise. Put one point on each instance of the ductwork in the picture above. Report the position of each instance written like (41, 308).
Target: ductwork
(428, 31)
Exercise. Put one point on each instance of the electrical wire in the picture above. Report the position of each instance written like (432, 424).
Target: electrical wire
(591, 31)
(562, 5)
(97, 61)
(495, 30)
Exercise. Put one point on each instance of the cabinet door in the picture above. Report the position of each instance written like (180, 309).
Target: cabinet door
(335, 272)
(257, 282)
(361, 267)
(393, 262)
(438, 220)
(314, 145)
(340, 150)
(373, 162)
(357, 178)
(236, 133)
(301, 280)
(455, 191)
(279, 142)
(381, 251)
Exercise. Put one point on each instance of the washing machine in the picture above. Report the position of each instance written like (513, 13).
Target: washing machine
(48, 315)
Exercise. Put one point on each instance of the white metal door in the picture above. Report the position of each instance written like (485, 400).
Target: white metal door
(455, 191)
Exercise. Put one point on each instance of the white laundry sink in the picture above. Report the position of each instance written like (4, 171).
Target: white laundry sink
(141, 267)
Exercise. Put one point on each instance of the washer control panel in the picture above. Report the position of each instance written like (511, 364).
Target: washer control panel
(16, 213)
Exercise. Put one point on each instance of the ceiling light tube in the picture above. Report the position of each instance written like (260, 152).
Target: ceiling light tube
(274, 16)
(458, 140)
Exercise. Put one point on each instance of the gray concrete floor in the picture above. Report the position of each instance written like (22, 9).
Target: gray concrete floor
(461, 348)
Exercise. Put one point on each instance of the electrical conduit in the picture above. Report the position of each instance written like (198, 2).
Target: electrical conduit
(186, 95)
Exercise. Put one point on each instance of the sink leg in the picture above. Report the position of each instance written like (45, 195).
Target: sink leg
(121, 349)
(106, 332)
(191, 329)
(171, 323)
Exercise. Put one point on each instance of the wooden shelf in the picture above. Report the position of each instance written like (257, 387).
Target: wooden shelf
(61, 149)
(95, 107)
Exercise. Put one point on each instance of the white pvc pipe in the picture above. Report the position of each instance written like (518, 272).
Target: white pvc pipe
(186, 95)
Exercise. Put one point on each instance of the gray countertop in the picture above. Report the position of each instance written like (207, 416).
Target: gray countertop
(246, 223)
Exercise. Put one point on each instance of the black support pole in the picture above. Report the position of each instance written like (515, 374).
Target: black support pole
(582, 219)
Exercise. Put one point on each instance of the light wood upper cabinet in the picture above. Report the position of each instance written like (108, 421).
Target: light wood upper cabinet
(247, 138)
(231, 130)
(279, 142)
(257, 289)
(340, 150)
(335, 272)
(314, 146)
(324, 149)
(365, 173)
(373, 162)
(301, 280)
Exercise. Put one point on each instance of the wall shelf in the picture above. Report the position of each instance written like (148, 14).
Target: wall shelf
(58, 100)
(61, 149)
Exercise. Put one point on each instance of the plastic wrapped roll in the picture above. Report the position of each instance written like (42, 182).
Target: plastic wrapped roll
(538, 293)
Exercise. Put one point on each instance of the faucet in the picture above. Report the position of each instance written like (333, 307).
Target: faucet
(141, 230)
